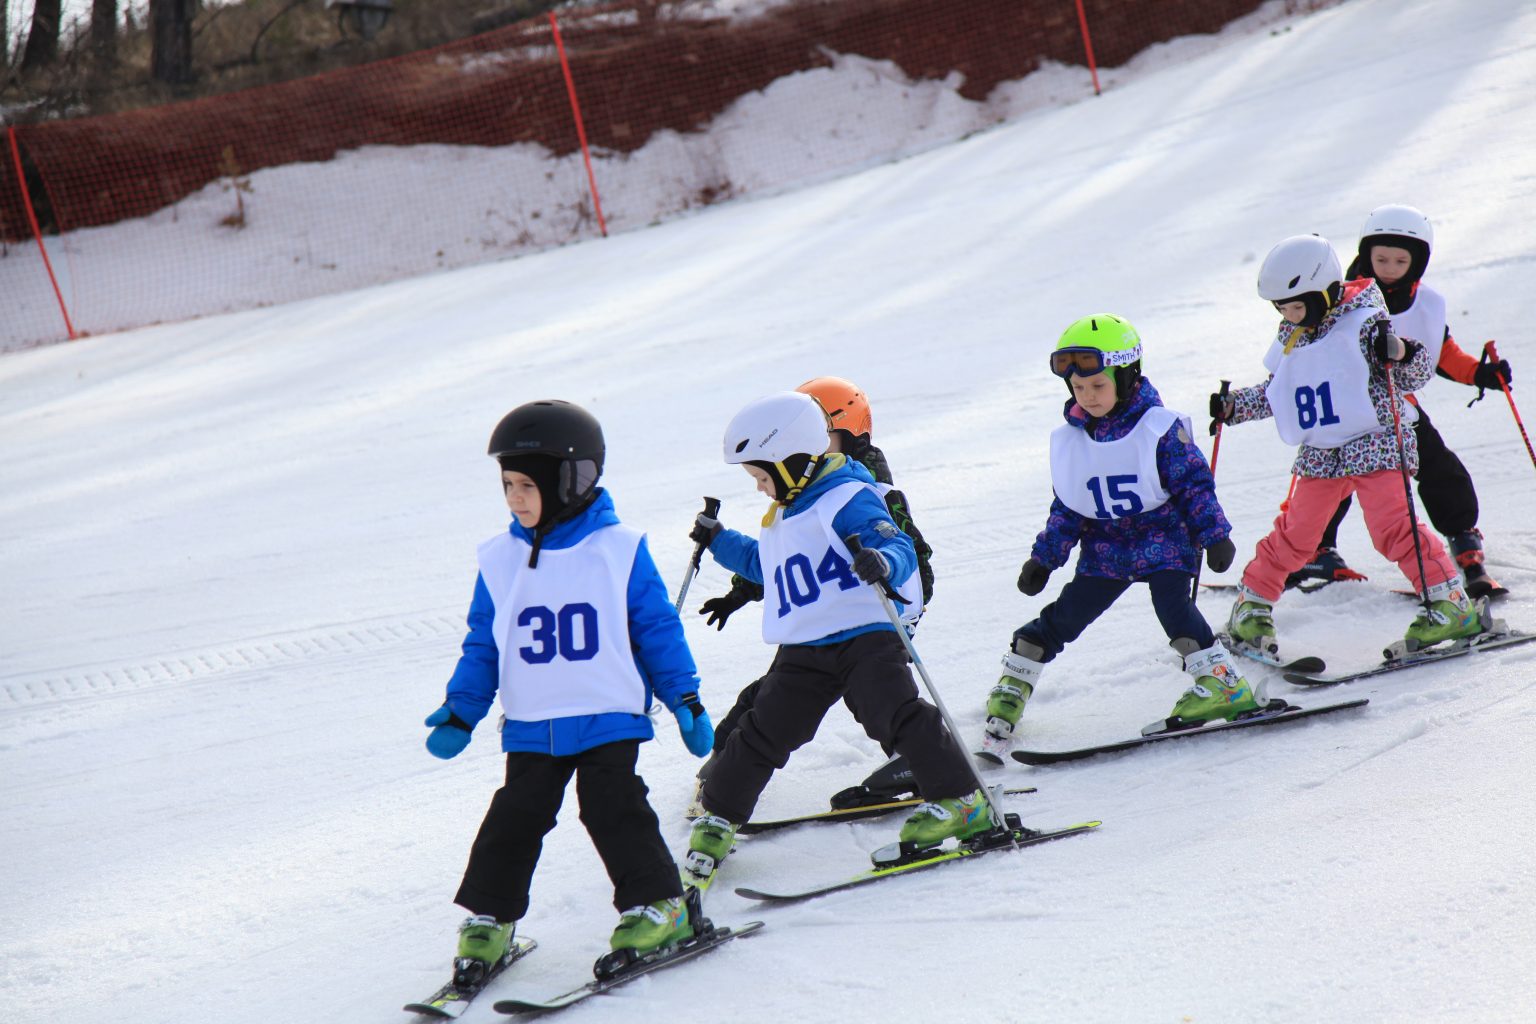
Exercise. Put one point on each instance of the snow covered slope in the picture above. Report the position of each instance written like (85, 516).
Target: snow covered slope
(236, 555)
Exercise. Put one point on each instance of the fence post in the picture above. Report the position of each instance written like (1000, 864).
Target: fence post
(581, 129)
(26, 201)
(1093, 67)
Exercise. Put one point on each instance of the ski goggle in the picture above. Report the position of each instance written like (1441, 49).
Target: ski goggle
(1086, 362)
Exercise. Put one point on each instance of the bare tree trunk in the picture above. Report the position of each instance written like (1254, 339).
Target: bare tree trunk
(43, 39)
(171, 24)
(104, 31)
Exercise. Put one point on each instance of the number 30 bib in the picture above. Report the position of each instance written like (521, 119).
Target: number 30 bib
(1111, 479)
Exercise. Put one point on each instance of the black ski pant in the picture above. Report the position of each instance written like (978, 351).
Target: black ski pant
(1085, 598)
(1445, 487)
(613, 808)
(869, 674)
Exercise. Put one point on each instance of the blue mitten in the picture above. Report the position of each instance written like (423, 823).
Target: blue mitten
(449, 735)
(694, 725)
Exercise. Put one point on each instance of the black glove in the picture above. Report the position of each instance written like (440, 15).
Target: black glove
(720, 608)
(871, 566)
(1221, 410)
(705, 527)
(1033, 576)
(1219, 555)
(1386, 344)
(1488, 374)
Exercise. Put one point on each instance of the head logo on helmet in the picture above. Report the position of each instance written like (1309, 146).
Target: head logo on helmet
(1101, 343)
(1303, 268)
(785, 435)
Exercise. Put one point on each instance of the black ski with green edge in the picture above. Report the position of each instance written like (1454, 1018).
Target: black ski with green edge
(453, 999)
(874, 810)
(1476, 645)
(622, 966)
(901, 859)
(1276, 712)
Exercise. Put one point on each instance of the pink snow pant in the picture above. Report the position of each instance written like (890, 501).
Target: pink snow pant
(1299, 528)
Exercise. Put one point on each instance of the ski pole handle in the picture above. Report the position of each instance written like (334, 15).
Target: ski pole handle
(712, 510)
(855, 545)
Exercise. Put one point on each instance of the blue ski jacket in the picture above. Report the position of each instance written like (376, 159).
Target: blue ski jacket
(655, 632)
(1170, 536)
(865, 515)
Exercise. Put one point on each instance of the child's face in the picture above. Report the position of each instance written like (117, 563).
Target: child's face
(763, 480)
(1389, 263)
(1095, 394)
(1294, 312)
(523, 497)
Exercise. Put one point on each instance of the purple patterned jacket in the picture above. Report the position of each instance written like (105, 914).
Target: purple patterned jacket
(1170, 536)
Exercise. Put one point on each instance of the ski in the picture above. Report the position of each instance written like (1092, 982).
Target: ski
(622, 973)
(1277, 711)
(901, 861)
(1482, 642)
(844, 814)
(1307, 664)
(1309, 587)
(453, 999)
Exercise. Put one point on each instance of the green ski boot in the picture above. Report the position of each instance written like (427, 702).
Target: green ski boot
(483, 942)
(1220, 692)
(1252, 622)
(709, 841)
(1005, 704)
(1451, 615)
(958, 816)
(649, 928)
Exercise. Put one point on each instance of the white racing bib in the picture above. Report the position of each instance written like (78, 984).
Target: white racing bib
(1111, 479)
(809, 587)
(562, 629)
(1423, 322)
(1320, 393)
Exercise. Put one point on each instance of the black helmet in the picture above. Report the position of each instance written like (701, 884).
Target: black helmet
(566, 433)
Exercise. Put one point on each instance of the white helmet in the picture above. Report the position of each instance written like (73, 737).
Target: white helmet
(1402, 221)
(774, 428)
(1298, 265)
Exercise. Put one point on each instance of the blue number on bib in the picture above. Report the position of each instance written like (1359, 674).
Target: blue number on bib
(1126, 501)
(560, 634)
(798, 585)
(1307, 402)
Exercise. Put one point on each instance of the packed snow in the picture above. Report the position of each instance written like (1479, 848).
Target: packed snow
(237, 554)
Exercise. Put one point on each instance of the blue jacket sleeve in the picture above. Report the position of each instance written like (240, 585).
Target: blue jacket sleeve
(867, 516)
(656, 634)
(1186, 476)
(1063, 529)
(472, 688)
(738, 553)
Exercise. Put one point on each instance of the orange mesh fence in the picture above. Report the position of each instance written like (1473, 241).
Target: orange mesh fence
(471, 152)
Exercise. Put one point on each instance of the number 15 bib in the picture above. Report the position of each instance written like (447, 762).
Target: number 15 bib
(1111, 479)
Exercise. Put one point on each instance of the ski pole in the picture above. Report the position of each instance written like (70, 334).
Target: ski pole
(886, 593)
(711, 509)
(1226, 385)
(1490, 352)
(1402, 465)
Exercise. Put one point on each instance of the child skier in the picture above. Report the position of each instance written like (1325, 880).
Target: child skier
(1136, 495)
(848, 412)
(571, 623)
(1328, 392)
(1395, 247)
(835, 641)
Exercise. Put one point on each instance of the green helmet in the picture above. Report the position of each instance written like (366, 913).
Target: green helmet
(1101, 343)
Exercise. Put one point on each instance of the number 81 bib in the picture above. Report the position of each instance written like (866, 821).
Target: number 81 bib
(1320, 393)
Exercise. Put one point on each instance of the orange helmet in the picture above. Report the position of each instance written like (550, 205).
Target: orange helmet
(842, 401)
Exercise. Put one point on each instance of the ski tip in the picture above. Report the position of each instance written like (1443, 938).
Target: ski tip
(986, 757)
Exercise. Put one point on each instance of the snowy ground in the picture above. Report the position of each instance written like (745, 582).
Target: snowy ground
(236, 555)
